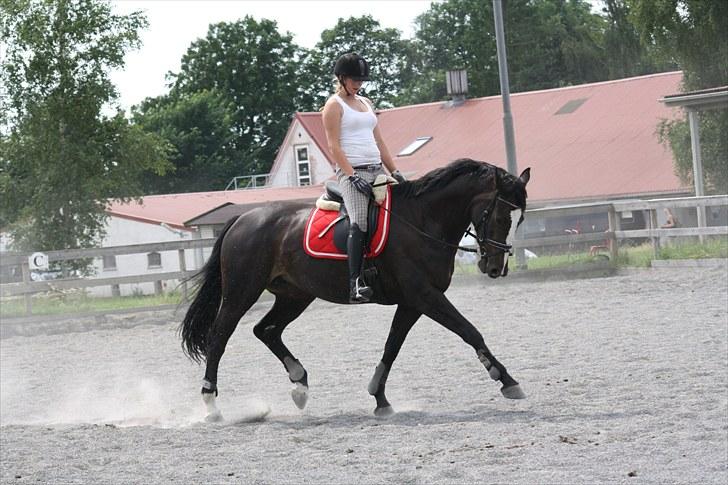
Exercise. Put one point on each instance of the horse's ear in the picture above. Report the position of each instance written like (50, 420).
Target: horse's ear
(525, 176)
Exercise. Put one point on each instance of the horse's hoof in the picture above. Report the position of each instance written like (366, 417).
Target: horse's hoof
(214, 417)
(384, 412)
(513, 392)
(300, 395)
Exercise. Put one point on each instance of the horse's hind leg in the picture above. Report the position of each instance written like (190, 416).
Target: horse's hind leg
(403, 321)
(227, 319)
(269, 330)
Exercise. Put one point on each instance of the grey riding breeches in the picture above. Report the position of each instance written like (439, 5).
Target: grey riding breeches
(357, 203)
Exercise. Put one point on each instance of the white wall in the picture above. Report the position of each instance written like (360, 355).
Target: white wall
(286, 172)
(122, 232)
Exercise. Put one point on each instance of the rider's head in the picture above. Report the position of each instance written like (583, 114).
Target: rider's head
(351, 70)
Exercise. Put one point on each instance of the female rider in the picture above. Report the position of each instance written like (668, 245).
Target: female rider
(359, 151)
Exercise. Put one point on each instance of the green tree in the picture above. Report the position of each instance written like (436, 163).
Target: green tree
(199, 127)
(550, 43)
(388, 54)
(254, 67)
(627, 53)
(694, 34)
(61, 159)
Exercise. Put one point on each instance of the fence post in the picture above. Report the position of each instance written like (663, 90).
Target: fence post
(28, 296)
(613, 227)
(653, 227)
(183, 267)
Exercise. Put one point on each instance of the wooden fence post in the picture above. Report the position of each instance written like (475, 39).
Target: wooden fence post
(183, 267)
(613, 227)
(653, 227)
(28, 297)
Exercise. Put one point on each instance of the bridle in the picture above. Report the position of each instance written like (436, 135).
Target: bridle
(481, 228)
(479, 235)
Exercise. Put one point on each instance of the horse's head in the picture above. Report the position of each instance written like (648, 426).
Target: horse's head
(492, 217)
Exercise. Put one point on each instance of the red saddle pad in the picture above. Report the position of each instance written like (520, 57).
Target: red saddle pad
(318, 238)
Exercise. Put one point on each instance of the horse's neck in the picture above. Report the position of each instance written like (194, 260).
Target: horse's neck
(448, 211)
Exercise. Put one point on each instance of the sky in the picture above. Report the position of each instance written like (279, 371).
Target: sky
(175, 24)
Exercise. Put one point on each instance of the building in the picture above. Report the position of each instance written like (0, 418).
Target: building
(584, 143)
(161, 218)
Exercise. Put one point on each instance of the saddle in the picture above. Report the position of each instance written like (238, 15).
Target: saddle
(328, 226)
(341, 226)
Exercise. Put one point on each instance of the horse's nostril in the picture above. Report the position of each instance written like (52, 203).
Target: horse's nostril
(494, 273)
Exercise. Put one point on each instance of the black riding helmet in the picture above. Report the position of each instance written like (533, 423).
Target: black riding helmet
(352, 65)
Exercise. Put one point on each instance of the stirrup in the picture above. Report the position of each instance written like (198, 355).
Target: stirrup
(360, 293)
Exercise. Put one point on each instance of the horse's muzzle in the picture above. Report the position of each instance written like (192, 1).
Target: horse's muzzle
(493, 272)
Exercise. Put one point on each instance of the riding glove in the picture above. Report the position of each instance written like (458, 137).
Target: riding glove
(397, 175)
(361, 185)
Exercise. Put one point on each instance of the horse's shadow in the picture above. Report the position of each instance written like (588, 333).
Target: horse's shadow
(405, 418)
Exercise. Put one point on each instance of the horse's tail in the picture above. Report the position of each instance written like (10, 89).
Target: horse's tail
(195, 327)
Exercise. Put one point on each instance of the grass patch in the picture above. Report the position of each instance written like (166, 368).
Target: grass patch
(82, 303)
(629, 256)
(562, 260)
(712, 248)
(636, 257)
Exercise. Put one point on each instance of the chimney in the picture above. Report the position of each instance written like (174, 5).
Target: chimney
(457, 85)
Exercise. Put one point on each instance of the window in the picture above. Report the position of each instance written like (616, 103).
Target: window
(303, 167)
(301, 154)
(154, 260)
(570, 106)
(414, 146)
(109, 263)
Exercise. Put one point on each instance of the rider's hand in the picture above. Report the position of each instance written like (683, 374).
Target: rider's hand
(361, 185)
(397, 175)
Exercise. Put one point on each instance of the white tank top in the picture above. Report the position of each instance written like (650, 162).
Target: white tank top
(357, 134)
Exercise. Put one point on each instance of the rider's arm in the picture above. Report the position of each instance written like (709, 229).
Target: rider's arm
(332, 124)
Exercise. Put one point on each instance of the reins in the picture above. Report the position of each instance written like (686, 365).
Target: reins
(420, 231)
(501, 247)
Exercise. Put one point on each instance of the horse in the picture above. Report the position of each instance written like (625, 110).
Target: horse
(262, 249)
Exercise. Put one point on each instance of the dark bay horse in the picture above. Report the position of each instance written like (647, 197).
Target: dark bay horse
(262, 249)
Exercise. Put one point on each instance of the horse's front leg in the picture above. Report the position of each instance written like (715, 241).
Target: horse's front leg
(404, 319)
(435, 305)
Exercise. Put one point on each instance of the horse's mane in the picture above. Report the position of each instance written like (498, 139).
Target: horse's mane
(441, 177)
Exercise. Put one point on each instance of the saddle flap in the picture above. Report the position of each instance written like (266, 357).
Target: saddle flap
(333, 191)
(326, 232)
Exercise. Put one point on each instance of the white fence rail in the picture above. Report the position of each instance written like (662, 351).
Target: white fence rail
(611, 237)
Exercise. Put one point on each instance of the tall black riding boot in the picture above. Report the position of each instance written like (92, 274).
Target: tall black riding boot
(358, 291)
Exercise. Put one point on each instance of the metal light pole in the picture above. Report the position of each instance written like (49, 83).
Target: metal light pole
(505, 89)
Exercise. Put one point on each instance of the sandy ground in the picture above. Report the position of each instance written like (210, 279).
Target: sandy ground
(627, 382)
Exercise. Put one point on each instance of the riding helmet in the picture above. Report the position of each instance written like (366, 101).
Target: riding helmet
(352, 65)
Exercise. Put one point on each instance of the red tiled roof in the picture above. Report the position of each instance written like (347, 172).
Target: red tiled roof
(607, 147)
(176, 209)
